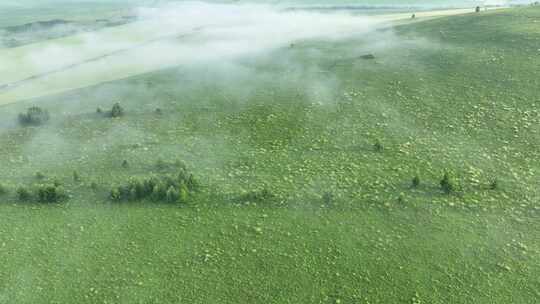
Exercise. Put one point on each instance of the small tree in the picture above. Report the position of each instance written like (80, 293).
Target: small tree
(192, 183)
(159, 193)
(447, 184)
(39, 175)
(328, 198)
(183, 194)
(172, 195)
(494, 185)
(415, 181)
(116, 194)
(125, 164)
(76, 176)
(378, 146)
(117, 110)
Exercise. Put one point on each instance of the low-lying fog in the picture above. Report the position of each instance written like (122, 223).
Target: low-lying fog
(167, 35)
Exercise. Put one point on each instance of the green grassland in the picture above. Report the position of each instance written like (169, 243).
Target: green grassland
(342, 223)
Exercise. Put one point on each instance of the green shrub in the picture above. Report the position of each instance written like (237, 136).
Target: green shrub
(447, 184)
(327, 198)
(23, 194)
(183, 194)
(50, 194)
(415, 181)
(116, 194)
(377, 146)
(125, 164)
(40, 175)
(117, 110)
(494, 185)
(159, 193)
(57, 182)
(76, 176)
(193, 185)
(172, 195)
(34, 116)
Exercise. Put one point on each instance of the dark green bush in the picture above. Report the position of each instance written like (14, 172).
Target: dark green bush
(159, 193)
(183, 195)
(57, 182)
(23, 194)
(447, 184)
(494, 185)
(415, 181)
(50, 194)
(125, 164)
(193, 185)
(328, 198)
(116, 194)
(76, 176)
(34, 116)
(377, 146)
(172, 195)
(117, 110)
(40, 175)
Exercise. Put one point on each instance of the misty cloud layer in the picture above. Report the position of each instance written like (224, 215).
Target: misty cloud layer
(169, 35)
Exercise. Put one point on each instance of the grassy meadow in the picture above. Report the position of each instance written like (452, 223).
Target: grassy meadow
(331, 137)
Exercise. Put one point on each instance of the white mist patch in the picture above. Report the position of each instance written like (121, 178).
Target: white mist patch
(170, 35)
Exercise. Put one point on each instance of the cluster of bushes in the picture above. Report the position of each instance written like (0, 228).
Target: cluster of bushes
(45, 193)
(34, 116)
(449, 184)
(116, 111)
(170, 189)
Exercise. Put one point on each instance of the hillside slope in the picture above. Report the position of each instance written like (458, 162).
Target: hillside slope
(305, 156)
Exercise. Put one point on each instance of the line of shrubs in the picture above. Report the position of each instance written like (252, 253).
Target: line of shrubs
(34, 116)
(169, 189)
(116, 111)
(449, 184)
(44, 193)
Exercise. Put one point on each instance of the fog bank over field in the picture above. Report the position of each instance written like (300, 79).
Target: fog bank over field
(168, 35)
